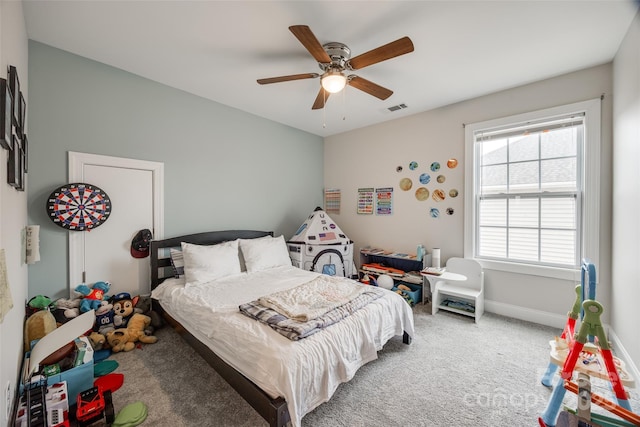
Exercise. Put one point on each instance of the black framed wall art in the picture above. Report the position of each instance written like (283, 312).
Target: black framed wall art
(6, 113)
(25, 153)
(14, 165)
(23, 116)
(14, 85)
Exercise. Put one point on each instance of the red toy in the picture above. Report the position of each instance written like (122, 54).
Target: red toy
(94, 404)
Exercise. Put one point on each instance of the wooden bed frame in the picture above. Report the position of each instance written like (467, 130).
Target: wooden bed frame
(274, 411)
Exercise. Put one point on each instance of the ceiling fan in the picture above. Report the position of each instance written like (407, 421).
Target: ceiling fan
(334, 59)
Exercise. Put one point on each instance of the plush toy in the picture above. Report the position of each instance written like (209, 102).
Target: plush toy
(70, 307)
(37, 326)
(123, 308)
(98, 341)
(120, 340)
(92, 297)
(136, 327)
(144, 307)
(39, 302)
(104, 318)
(123, 339)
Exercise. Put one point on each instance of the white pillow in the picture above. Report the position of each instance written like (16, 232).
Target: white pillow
(206, 263)
(264, 253)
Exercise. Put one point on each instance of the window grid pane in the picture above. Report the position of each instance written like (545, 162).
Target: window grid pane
(494, 179)
(522, 148)
(523, 244)
(524, 212)
(559, 174)
(493, 242)
(493, 212)
(524, 177)
(558, 213)
(558, 246)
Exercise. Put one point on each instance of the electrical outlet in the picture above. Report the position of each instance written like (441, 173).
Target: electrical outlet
(8, 397)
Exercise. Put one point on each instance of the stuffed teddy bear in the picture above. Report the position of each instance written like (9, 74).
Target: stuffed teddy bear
(136, 327)
(123, 308)
(123, 339)
(120, 340)
(92, 297)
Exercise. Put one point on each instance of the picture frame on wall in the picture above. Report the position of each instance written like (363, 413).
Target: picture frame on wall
(23, 115)
(21, 175)
(14, 84)
(14, 164)
(25, 153)
(6, 114)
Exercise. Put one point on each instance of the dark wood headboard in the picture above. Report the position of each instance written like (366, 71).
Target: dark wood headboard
(159, 253)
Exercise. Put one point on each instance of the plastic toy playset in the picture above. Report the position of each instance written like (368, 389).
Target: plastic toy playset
(587, 354)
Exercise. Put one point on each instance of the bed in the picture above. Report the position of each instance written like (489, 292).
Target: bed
(282, 379)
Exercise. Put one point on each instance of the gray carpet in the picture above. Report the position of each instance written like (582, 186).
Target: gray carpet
(455, 372)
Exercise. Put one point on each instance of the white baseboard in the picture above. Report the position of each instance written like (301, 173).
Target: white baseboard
(528, 314)
(621, 353)
(558, 321)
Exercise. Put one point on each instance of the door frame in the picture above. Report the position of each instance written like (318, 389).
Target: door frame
(77, 162)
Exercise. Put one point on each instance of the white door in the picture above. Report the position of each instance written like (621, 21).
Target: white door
(103, 254)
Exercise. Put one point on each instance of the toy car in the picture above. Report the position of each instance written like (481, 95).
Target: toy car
(94, 404)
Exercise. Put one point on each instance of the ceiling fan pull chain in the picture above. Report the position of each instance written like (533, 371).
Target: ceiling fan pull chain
(344, 104)
(324, 110)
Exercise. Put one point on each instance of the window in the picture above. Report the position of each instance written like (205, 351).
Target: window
(532, 202)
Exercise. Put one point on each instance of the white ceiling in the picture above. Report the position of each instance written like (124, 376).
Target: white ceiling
(217, 49)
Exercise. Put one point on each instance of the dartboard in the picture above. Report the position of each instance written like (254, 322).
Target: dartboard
(78, 206)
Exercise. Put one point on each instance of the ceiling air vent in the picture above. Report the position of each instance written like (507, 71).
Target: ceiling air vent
(397, 107)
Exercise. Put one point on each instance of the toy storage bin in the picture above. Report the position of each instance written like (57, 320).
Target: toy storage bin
(415, 293)
(78, 379)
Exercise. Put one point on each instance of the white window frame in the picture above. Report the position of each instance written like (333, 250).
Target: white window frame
(590, 224)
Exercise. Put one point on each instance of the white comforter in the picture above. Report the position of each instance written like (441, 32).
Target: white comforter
(306, 372)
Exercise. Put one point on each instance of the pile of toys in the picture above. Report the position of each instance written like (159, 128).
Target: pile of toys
(67, 344)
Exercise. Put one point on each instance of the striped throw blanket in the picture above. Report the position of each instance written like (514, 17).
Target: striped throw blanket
(296, 329)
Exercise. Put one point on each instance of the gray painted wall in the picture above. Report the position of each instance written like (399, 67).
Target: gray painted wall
(224, 168)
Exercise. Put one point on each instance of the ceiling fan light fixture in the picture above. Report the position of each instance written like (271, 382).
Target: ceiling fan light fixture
(333, 81)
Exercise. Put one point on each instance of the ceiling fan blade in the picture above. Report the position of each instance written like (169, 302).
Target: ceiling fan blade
(310, 42)
(382, 53)
(288, 78)
(369, 87)
(322, 97)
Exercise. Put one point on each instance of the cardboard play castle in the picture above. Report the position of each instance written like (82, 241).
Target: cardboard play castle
(319, 245)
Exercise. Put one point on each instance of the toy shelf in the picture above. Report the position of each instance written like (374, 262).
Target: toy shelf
(404, 262)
